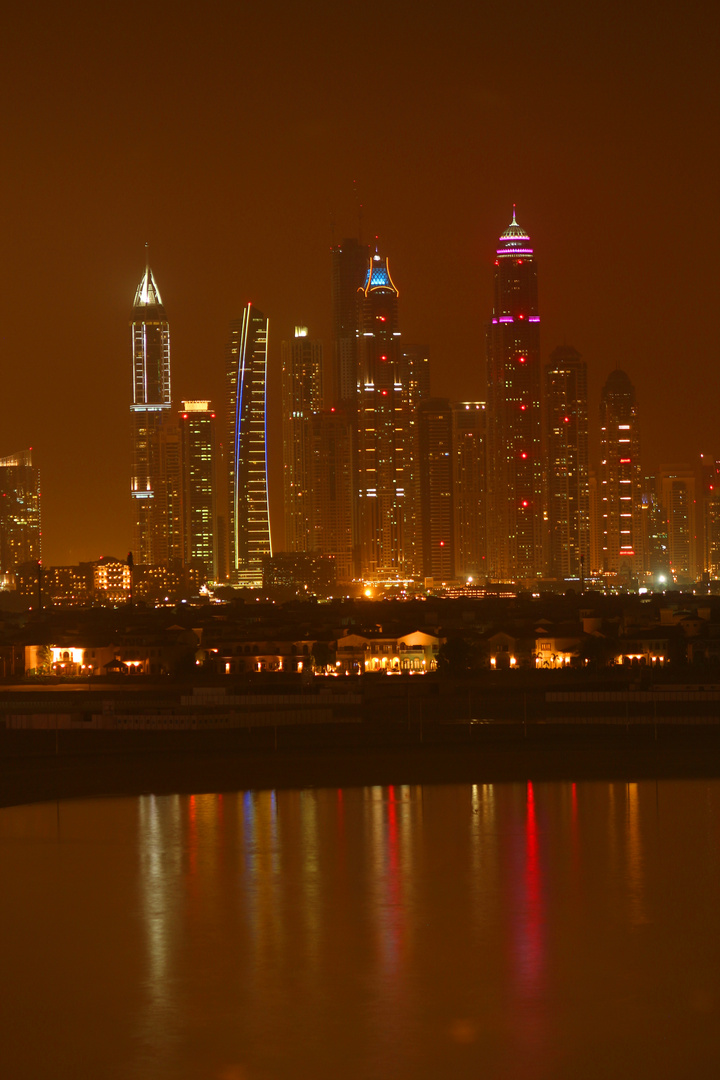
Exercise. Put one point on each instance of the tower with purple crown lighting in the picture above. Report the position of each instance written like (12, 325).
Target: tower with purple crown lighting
(514, 466)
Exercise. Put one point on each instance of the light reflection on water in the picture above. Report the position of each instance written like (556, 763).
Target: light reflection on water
(543, 929)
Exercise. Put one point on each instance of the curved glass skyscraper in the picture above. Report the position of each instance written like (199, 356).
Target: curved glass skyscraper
(246, 385)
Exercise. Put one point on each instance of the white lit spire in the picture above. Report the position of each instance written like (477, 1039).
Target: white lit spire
(147, 291)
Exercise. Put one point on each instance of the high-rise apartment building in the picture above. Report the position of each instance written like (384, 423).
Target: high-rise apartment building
(514, 466)
(384, 440)
(302, 399)
(469, 488)
(350, 261)
(331, 481)
(437, 489)
(596, 522)
(655, 532)
(151, 403)
(567, 485)
(246, 386)
(199, 470)
(415, 379)
(677, 494)
(620, 478)
(20, 533)
(710, 487)
(167, 520)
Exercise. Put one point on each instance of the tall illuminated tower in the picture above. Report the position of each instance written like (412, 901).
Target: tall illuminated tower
(20, 533)
(150, 406)
(246, 418)
(568, 491)
(469, 430)
(677, 494)
(710, 474)
(384, 440)
(514, 468)
(198, 485)
(437, 491)
(302, 394)
(620, 478)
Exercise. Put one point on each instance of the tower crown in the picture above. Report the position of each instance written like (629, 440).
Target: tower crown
(147, 292)
(514, 241)
(378, 276)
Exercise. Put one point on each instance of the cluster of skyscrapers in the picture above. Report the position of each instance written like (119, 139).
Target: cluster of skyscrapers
(383, 482)
(392, 484)
(397, 484)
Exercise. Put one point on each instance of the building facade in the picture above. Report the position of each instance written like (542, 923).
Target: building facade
(469, 488)
(302, 400)
(151, 404)
(620, 478)
(246, 400)
(20, 532)
(514, 423)
(198, 462)
(384, 441)
(710, 487)
(437, 501)
(678, 498)
(349, 265)
(331, 472)
(567, 484)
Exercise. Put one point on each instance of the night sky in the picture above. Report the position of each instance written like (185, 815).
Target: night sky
(229, 137)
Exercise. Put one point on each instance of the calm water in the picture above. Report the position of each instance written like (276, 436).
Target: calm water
(548, 930)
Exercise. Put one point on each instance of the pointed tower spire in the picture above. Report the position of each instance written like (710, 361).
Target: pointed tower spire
(147, 292)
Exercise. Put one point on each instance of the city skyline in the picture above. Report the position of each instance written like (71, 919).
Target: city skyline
(545, 514)
(603, 146)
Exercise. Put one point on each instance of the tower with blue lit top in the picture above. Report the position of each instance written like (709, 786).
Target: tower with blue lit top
(514, 467)
(384, 444)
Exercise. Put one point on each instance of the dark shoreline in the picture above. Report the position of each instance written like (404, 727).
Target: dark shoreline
(40, 766)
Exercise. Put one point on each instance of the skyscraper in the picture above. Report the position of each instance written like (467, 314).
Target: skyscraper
(415, 379)
(349, 267)
(655, 533)
(383, 432)
(20, 533)
(437, 489)
(302, 399)
(332, 487)
(198, 461)
(514, 467)
(677, 495)
(469, 488)
(246, 384)
(620, 478)
(568, 495)
(710, 474)
(151, 404)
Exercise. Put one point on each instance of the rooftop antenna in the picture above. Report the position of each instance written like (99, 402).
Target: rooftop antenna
(514, 222)
(147, 256)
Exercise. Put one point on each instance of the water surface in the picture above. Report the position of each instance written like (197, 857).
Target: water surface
(550, 930)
